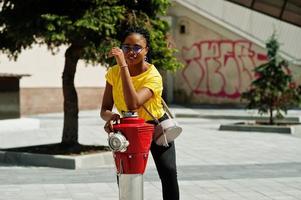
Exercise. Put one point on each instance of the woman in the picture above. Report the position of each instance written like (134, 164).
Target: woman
(134, 82)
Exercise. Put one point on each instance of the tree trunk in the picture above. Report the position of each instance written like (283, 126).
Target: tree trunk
(70, 130)
(271, 116)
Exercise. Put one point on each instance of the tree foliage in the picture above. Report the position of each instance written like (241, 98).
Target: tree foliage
(95, 25)
(89, 28)
(273, 91)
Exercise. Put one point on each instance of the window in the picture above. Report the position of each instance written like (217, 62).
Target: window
(183, 26)
(182, 29)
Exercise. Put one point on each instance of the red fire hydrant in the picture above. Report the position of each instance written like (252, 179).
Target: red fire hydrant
(130, 143)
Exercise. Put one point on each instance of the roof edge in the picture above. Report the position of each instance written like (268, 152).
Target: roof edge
(11, 75)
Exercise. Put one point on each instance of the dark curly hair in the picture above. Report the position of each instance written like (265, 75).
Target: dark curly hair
(144, 32)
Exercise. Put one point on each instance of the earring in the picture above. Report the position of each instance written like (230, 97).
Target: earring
(145, 58)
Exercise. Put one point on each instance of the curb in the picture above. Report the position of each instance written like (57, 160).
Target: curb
(236, 117)
(58, 161)
(292, 129)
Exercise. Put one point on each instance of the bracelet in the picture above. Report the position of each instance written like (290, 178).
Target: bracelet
(123, 66)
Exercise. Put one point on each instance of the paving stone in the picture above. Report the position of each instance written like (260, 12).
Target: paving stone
(212, 164)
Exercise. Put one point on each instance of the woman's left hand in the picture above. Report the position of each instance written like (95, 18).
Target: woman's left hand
(109, 124)
(119, 56)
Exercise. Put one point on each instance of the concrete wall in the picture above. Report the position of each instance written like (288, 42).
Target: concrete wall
(218, 62)
(46, 69)
(249, 24)
(46, 100)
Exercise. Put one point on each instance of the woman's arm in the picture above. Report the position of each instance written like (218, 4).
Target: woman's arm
(106, 109)
(133, 99)
(107, 103)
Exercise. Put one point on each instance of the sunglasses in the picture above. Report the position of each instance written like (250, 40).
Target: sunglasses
(135, 48)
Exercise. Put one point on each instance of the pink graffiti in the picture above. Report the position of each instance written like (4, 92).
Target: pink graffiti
(220, 68)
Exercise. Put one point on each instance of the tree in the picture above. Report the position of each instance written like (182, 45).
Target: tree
(273, 89)
(89, 28)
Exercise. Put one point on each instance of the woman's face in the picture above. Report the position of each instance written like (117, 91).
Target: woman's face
(134, 48)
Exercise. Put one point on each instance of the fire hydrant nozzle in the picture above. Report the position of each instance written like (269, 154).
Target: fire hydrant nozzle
(117, 142)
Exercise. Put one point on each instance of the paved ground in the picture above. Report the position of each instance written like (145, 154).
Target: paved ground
(212, 164)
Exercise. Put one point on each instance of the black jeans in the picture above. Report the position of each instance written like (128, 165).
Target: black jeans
(165, 160)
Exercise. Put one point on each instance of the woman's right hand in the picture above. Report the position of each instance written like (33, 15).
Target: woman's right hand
(119, 56)
(109, 124)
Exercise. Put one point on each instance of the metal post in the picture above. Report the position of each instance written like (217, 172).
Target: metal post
(130, 186)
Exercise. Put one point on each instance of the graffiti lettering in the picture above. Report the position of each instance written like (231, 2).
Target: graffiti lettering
(220, 68)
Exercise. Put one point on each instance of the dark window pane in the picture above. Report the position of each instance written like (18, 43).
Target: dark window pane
(270, 7)
(182, 29)
(243, 2)
(292, 12)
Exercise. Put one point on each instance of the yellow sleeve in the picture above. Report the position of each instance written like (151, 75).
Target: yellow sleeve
(109, 76)
(154, 83)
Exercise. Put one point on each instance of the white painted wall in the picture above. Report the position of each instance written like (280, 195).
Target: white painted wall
(46, 69)
(251, 25)
(219, 58)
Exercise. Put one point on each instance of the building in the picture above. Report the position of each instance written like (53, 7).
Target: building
(220, 42)
(42, 91)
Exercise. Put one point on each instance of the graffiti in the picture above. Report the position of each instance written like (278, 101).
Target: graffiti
(220, 68)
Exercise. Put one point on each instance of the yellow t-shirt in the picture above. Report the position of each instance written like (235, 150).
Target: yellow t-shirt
(151, 79)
